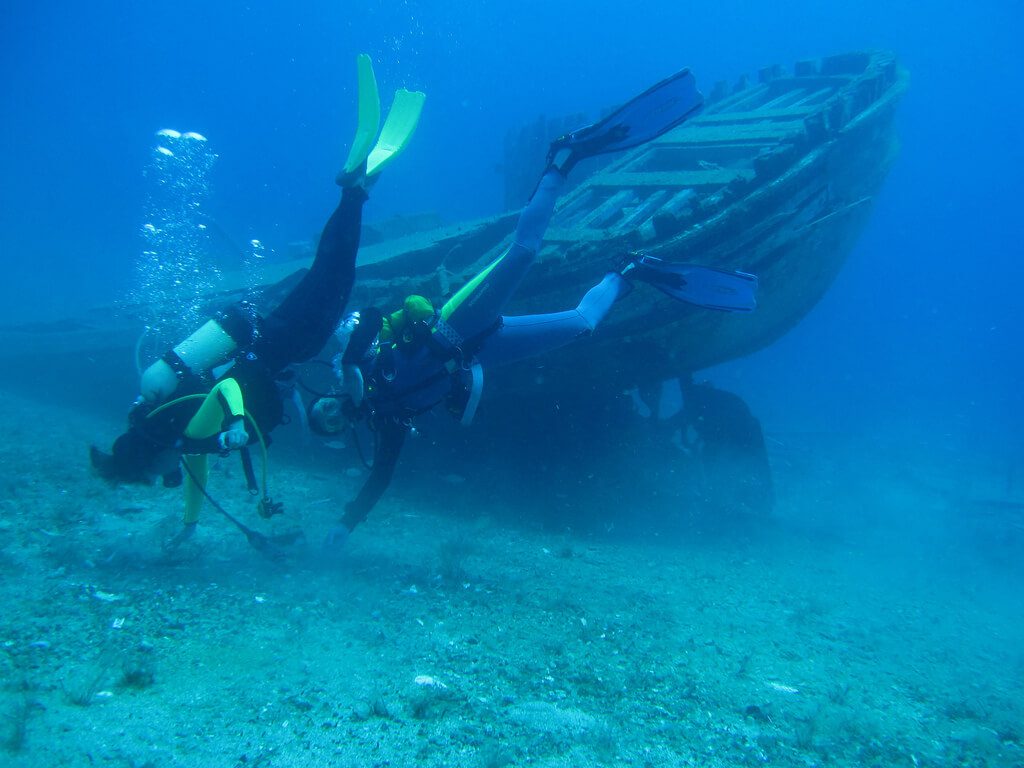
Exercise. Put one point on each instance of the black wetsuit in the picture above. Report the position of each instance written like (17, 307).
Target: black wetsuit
(299, 327)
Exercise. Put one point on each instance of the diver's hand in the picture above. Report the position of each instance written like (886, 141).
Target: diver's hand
(335, 540)
(187, 531)
(234, 437)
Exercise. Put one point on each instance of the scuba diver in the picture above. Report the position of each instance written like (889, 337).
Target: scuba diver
(398, 366)
(234, 368)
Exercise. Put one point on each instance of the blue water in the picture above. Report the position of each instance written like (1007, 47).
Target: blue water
(894, 414)
(926, 312)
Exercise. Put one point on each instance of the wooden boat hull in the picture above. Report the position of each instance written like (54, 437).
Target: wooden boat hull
(776, 178)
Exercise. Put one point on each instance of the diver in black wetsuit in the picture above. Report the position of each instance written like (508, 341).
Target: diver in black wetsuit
(233, 368)
(415, 358)
(256, 349)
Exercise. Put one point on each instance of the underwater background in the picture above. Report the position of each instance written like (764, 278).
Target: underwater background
(928, 303)
(877, 621)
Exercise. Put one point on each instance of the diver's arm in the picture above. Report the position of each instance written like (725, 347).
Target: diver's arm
(220, 417)
(390, 438)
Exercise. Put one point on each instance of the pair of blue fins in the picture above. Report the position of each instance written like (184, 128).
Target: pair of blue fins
(659, 109)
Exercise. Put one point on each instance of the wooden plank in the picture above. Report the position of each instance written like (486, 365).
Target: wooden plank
(677, 202)
(717, 177)
(572, 235)
(741, 98)
(784, 100)
(793, 113)
(643, 211)
(608, 208)
(814, 99)
(753, 130)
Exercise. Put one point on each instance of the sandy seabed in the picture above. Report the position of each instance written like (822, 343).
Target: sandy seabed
(448, 635)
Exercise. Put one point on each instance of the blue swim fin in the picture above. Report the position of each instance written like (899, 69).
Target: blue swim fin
(706, 287)
(657, 110)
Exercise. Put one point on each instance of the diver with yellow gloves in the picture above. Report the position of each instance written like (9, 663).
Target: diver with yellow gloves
(398, 366)
(233, 367)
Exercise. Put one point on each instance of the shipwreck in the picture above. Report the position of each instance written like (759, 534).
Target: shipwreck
(776, 177)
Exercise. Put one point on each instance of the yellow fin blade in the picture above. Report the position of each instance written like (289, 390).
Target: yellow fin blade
(398, 129)
(369, 114)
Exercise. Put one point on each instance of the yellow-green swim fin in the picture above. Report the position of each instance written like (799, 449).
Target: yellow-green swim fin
(369, 115)
(398, 129)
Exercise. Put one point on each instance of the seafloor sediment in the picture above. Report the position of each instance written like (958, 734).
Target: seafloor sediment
(866, 624)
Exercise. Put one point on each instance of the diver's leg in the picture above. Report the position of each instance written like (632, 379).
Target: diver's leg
(222, 407)
(194, 484)
(333, 270)
(536, 216)
(478, 304)
(529, 335)
(300, 326)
